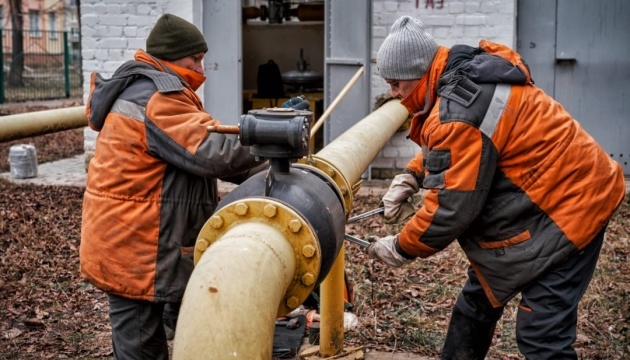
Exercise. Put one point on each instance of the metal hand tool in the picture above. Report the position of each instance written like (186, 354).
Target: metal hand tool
(365, 215)
(357, 241)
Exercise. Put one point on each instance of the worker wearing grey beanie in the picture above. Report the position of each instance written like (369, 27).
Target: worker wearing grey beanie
(407, 52)
(504, 167)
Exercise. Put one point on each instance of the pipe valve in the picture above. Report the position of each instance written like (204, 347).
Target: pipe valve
(276, 132)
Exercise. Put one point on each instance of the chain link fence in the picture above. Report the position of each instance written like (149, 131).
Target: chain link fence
(39, 65)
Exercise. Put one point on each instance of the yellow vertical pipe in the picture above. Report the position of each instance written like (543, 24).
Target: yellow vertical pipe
(231, 301)
(331, 308)
(351, 153)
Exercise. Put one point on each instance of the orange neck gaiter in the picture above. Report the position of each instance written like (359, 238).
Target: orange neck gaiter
(424, 96)
(194, 79)
(418, 101)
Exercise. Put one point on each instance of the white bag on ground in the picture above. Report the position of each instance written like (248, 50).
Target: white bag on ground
(23, 161)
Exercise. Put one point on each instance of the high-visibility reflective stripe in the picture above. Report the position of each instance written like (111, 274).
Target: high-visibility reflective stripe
(128, 109)
(495, 109)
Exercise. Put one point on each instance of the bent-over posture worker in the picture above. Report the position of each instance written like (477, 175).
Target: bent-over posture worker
(152, 183)
(511, 175)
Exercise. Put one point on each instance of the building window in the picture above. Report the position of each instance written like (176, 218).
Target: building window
(2, 17)
(34, 21)
(52, 25)
(74, 34)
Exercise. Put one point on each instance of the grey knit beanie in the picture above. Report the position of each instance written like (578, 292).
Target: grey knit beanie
(174, 38)
(407, 51)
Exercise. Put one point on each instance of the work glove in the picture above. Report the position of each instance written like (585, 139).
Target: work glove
(384, 249)
(297, 103)
(395, 202)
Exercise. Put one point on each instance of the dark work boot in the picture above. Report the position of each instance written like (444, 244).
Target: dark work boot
(467, 339)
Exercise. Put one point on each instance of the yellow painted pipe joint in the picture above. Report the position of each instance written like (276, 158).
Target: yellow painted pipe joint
(287, 221)
(335, 176)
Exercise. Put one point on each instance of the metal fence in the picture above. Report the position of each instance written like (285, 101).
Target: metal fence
(48, 67)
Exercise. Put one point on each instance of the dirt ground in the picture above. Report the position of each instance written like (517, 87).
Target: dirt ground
(48, 312)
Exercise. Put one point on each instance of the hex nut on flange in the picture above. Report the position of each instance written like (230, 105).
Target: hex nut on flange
(270, 210)
(292, 302)
(241, 209)
(308, 251)
(202, 245)
(216, 222)
(308, 279)
(295, 225)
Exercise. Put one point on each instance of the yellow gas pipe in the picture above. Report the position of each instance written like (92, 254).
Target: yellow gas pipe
(259, 257)
(19, 126)
(346, 158)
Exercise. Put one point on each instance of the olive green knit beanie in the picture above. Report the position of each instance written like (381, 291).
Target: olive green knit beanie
(173, 38)
(407, 52)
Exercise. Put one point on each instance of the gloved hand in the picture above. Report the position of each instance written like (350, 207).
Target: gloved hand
(384, 249)
(397, 208)
(297, 103)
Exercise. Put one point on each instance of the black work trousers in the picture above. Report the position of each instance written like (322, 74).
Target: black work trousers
(137, 329)
(547, 314)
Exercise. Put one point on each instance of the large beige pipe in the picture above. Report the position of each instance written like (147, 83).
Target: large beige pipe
(353, 151)
(233, 295)
(243, 281)
(19, 126)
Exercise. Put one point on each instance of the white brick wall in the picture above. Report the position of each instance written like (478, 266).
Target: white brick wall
(112, 31)
(457, 22)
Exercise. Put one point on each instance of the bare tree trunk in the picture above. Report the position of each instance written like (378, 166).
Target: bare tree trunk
(17, 59)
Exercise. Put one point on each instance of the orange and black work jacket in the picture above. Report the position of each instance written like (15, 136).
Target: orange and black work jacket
(509, 173)
(152, 182)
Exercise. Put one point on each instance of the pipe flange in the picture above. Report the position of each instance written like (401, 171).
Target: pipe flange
(295, 229)
(343, 186)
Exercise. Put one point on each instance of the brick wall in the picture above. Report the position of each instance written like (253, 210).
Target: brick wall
(450, 22)
(112, 31)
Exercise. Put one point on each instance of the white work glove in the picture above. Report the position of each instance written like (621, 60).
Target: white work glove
(384, 249)
(396, 206)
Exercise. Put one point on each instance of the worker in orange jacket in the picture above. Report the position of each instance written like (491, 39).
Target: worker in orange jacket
(152, 184)
(523, 188)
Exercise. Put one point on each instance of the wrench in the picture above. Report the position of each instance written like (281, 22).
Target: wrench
(357, 241)
(365, 215)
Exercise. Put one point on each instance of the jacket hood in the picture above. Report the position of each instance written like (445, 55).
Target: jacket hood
(490, 63)
(104, 92)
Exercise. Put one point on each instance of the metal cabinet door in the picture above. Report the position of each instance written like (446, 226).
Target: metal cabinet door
(348, 35)
(589, 70)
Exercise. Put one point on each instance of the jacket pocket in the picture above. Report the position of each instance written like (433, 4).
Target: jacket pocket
(436, 164)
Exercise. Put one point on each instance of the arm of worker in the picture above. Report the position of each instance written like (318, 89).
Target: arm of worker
(460, 166)
(240, 177)
(177, 132)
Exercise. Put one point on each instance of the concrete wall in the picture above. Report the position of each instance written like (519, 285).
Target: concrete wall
(450, 22)
(112, 31)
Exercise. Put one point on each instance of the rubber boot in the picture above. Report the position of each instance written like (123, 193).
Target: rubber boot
(467, 339)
